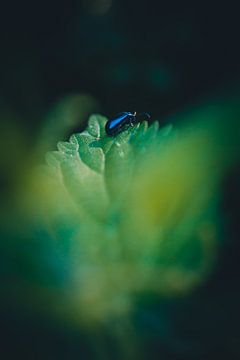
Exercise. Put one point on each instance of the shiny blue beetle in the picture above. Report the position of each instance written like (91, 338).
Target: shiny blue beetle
(122, 121)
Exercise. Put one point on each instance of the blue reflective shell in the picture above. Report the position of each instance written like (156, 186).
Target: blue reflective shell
(120, 122)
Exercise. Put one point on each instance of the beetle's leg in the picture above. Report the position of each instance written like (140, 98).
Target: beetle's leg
(133, 119)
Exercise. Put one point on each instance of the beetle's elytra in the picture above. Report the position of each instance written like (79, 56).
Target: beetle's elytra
(122, 121)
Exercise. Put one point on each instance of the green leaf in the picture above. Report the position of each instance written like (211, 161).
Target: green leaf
(145, 209)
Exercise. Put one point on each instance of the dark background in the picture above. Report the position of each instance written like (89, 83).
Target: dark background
(156, 56)
(160, 57)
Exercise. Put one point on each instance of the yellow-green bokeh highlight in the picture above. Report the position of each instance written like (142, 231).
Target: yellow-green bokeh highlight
(160, 237)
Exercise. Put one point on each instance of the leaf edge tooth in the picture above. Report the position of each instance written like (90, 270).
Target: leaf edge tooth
(166, 130)
(73, 140)
(156, 125)
(67, 147)
(53, 158)
(93, 124)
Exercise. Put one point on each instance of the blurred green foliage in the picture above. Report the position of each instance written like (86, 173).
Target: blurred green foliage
(126, 247)
(110, 222)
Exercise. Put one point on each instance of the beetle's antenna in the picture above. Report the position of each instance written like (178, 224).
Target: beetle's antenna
(145, 114)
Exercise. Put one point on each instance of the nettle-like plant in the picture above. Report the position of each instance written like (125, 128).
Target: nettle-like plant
(132, 214)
